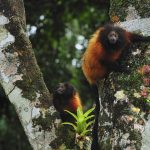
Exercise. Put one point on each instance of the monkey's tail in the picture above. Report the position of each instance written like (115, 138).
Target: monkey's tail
(95, 145)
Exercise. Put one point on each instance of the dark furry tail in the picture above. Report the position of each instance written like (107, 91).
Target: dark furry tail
(95, 145)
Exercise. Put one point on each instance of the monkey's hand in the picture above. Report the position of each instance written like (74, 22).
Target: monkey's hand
(116, 67)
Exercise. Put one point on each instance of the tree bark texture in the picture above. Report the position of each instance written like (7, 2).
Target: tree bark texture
(125, 107)
(23, 82)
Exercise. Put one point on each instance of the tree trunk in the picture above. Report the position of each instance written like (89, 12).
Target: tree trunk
(125, 99)
(23, 82)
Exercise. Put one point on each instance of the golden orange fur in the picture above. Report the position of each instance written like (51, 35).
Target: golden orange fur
(91, 66)
(74, 103)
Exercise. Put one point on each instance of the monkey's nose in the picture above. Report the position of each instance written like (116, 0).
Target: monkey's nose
(113, 41)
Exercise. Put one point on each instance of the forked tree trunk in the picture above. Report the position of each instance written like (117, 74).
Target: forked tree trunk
(125, 107)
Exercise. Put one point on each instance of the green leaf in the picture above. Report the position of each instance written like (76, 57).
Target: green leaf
(72, 114)
(88, 124)
(81, 121)
(71, 124)
(79, 112)
(89, 117)
(148, 100)
(89, 111)
(85, 132)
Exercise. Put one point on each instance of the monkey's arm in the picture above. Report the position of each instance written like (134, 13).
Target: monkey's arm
(138, 38)
(116, 66)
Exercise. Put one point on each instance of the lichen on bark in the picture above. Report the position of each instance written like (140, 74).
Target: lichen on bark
(22, 80)
(135, 8)
(125, 109)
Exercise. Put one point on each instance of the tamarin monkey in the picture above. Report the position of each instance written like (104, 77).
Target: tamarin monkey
(65, 97)
(106, 49)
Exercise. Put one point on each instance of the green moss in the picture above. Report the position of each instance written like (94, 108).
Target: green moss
(119, 7)
(28, 88)
(29, 82)
(105, 146)
(46, 121)
(136, 136)
(68, 138)
(124, 117)
(132, 81)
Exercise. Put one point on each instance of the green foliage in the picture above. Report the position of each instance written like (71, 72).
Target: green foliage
(83, 121)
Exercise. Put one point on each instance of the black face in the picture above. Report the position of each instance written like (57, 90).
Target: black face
(112, 38)
(64, 90)
(62, 95)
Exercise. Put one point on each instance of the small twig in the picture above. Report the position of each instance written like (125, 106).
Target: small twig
(11, 90)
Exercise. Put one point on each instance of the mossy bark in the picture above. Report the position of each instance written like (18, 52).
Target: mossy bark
(23, 82)
(125, 106)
